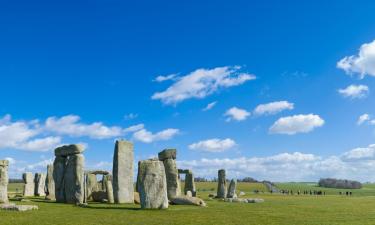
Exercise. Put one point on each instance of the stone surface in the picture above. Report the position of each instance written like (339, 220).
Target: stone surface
(109, 188)
(20, 208)
(68, 150)
(185, 200)
(123, 159)
(189, 194)
(99, 196)
(167, 154)
(232, 189)
(152, 185)
(244, 200)
(91, 185)
(137, 199)
(190, 184)
(4, 179)
(58, 177)
(222, 185)
(74, 179)
(40, 183)
(50, 184)
(28, 189)
(173, 181)
(97, 172)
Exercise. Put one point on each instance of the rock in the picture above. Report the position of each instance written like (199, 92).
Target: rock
(123, 159)
(232, 189)
(97, 172)
(137, 199)
(242, 193)
(58, 177)
(171, 171)
(50, 184)
(222, 184)
(20, 208)
(98, 196)
(184, 171)
(28, 189)
(167, 154)
(40, 182)
(189, 194)
(109, 188)
(152, 185)
(190, 184)
(91, 185)
(74, 179)
(185, 200)
(255, 200)
(68, 150)
(4, 181)
(25, 200)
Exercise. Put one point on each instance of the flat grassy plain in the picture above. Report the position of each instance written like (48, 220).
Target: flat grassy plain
(277, 209)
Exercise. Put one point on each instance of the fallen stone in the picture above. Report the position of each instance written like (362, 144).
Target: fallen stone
(185, 200)
(68, 150)
(20, 208)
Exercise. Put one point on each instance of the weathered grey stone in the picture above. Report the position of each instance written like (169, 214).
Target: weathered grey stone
(104, 179)
(4, 179)
(20, 208)
(173, 181)
(123, 159)
(137, 199)
(190, 184)
(167, 154)
(185, 200)
(58, 177)
(40, 183)
(68, 150)
(184, 171)
(97, 172)
(222, 185)
(189, 194)
(50, 183)
(74, 179)
(91, 185)
(232, 189)
(109, 188)
(152, 185)
(99, 196)
(28, 189)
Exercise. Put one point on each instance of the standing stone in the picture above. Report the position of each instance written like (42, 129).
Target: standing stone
(28, 190)
(189, 183)
(232, 189)
(58, 176)
(4, 181)
(50, 184)
(123, 189)
(222, 184)
(74, 179)
(91, 185)
(40, 182)
(109, 188)
(168, 156)
(152, 185)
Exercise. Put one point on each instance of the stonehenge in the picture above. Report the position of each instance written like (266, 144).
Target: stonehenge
(222, 184)
(189, 182)
(40, 182)
(186, 200)
(50, 184)
(4, 181)
(109, 188)
(29, 187)
(123, 160)
(68, 174)
(232, 189)
(168, 157)
(152, 185)
(97, 191)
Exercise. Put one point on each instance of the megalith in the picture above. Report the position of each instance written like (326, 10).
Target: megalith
(4, 179)
(58, 177)
(40, 182)
(50, 184)
(222, 184)
(232, 189)
(109, 188)
(123, 189)
(168, 156)
(91, 185)
(152, 184)
(189, 182)
(28, 189)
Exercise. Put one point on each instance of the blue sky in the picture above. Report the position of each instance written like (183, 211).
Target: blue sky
(94, 71)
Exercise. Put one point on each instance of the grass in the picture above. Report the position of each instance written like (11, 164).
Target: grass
(277, 209)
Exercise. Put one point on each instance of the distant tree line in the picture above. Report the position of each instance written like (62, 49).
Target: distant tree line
(336, 183)
(15, 180)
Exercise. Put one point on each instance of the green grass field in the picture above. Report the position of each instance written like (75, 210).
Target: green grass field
(277, 209)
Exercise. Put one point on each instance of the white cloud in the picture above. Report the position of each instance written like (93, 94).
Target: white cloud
(273, 108)
(201, 83)
(41, 144)
(130, 116)
(237, 114)
(363, 118)
(210, 106)
(213, 145)
(354, 91)
(360, 153)
(146, 136)
(70, 125)
(134, 128)
(362, 64)
(165, 78)
(296, 124)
